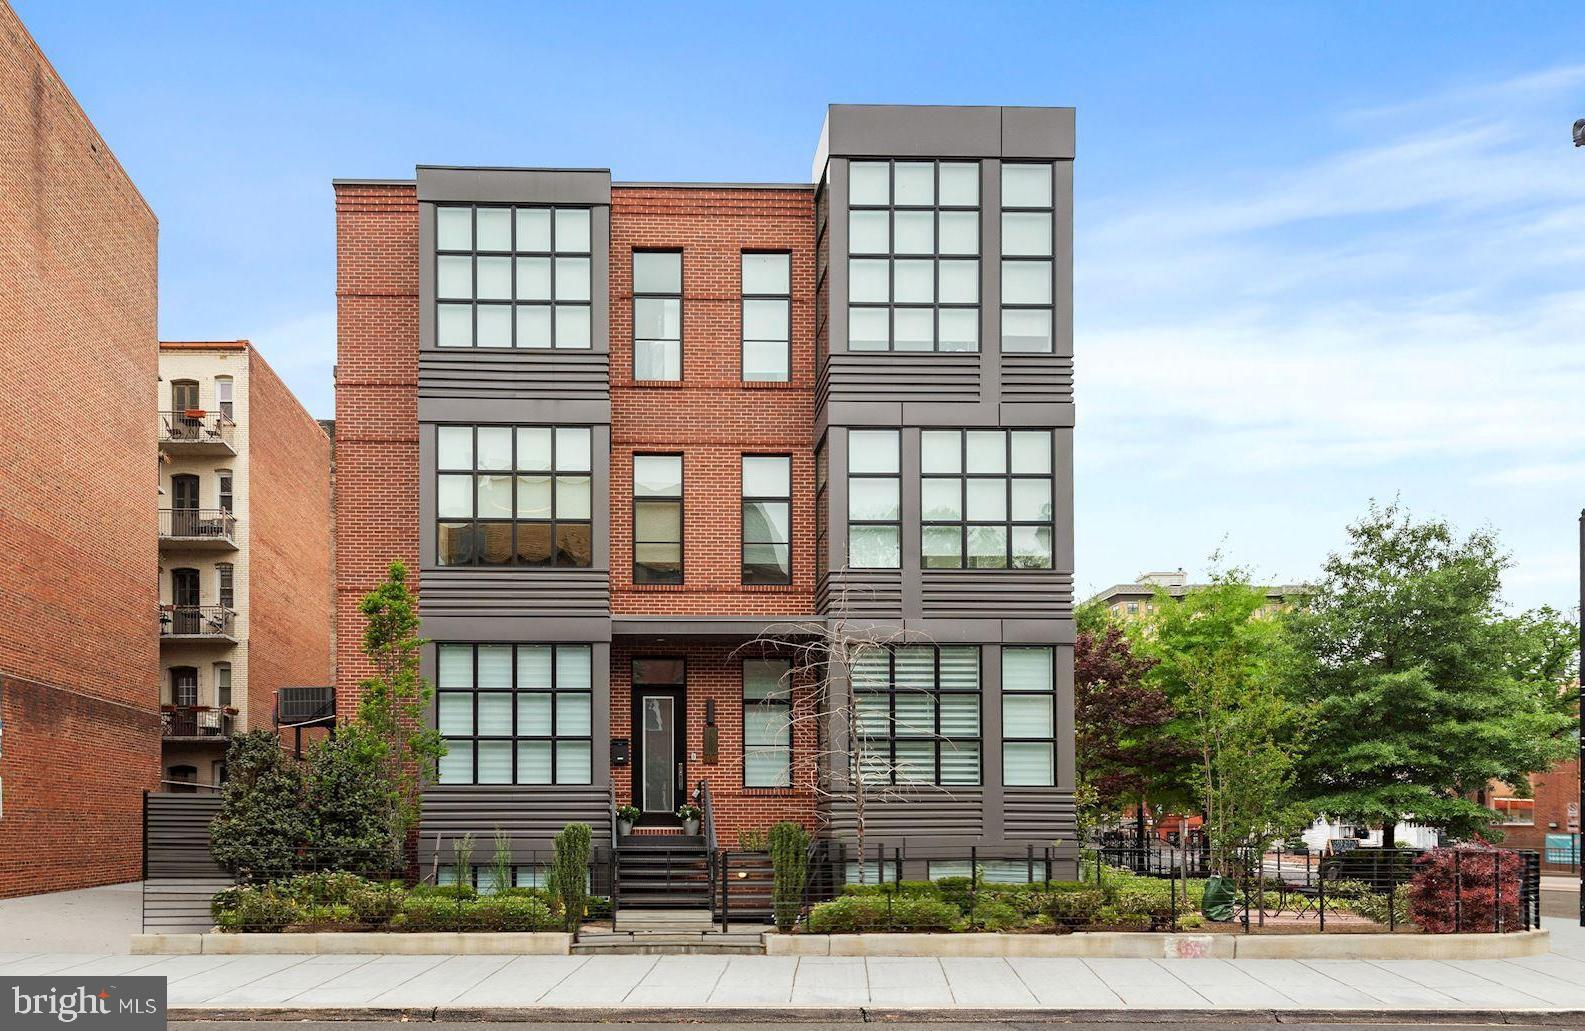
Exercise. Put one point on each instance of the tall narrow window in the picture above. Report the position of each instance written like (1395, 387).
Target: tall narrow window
(223, 684)
(657, 519)
(657, 315)
(513, 496)
(767, 316)
(767, 723)
(913, 265)
(223, 398)
(874, 499)
(1028, 717)
(822, 512)
(184, 685)
(512, 277)
(985, 499)
(767, 519)
(515, 715)
(225, 574)
(918, 714)
(227, 501)
(1028, 222)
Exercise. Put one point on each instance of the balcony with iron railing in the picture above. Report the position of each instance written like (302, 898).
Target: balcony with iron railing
(194, 431)
(196, 723)
(198, 623)
(208, 529)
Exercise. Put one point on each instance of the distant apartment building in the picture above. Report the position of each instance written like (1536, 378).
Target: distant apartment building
(244, 547)
(632, 436)
(78, 354)
(1545, 816)
(1139, 598)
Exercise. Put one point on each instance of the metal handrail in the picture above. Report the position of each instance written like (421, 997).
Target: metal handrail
(616, 864)
(197, 621)
(706, 816)
(215, 523)
(179, 426)
(182, 721)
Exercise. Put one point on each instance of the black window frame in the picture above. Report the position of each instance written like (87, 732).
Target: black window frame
(682, 515)
(963, 476)
(226, 584)
(897, 476)
(743, 521)
(822, 510)
(514, 472)
(934, 256)
(939, 741)
(226, 497)
(512, 254)
(1050, 260)
(785, 703)
(652, 295)
(555, 691)
(1050, 694)
(744, 297)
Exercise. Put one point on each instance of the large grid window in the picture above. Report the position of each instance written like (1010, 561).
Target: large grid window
(767, 519)
(767, 317)
(874, 499)
(512, 277)
(657, 315)
(767, 723)
(917, 714)
(515, 714)
(822, 513)
(985, 499)
(657, 519)
(1029, 734)
(513, 496)
(913, 256)
(1028, 224)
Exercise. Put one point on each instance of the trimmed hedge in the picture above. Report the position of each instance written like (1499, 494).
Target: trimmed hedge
(345, 902)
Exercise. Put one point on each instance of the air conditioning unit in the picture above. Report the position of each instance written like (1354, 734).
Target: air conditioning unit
(209, 719)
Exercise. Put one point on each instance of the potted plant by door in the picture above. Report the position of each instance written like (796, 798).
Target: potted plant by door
(625, 817)
(689, 815)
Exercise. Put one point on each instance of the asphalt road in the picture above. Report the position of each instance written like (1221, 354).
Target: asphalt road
(1011, 1025)
(1560, 903)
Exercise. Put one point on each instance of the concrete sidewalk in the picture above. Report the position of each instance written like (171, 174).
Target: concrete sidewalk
(436, 985)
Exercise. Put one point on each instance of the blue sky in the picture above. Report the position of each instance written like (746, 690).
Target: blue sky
(1324, 252)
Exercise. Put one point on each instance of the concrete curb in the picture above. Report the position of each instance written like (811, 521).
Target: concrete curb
(482, 943)
(868, 1015)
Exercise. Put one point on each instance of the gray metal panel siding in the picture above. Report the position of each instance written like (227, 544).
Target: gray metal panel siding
(926, 817)
(516, 375)
(177, 834)
(531, 815)
(515, 592)
(1043, 815)
(992, 593)
(582, 186)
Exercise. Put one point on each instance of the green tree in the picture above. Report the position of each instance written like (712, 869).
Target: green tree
(263, 821)
(353, 805)
(1220, 661)
(1423, 690)
(396, 696)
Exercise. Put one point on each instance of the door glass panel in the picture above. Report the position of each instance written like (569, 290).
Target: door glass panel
(659, 758)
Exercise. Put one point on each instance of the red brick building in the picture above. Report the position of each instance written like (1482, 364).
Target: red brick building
(78, 646)
(1547, 821)
(646, 444)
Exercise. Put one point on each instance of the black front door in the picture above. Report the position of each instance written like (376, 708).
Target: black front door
(184, 505)
(184, 685)
(660, 757)
(184, 601)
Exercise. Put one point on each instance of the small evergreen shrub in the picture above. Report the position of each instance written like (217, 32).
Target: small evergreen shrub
(852, 914)
(789, 855)
(572, 871)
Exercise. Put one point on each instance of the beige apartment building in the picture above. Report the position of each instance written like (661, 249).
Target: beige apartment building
(1139, 598)
(244, 559)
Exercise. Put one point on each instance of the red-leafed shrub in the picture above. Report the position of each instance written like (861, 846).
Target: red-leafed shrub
(1457, 889)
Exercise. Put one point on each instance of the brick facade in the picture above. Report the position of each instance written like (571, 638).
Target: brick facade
(376, 405)
(79, 653)
(289, 545)
(1554, 792)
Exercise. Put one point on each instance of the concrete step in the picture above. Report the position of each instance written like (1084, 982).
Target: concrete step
(663, 942)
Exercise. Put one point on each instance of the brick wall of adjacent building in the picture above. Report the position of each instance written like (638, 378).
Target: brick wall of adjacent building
(715, 674)
(712, 417)
(376, 405)
(1554, 791)
(289, 567)
(79, 655)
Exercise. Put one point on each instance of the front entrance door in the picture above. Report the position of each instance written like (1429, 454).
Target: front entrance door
(660, 771)
(184, 601)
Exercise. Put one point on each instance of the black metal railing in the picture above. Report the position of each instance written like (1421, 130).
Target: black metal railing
(206, 523)
(195, 721)
(195, 426)
(197, 621)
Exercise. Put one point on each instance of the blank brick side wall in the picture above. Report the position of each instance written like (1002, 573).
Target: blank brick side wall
(712, 417)
(289, 568)
(376, 405)
(79, 652)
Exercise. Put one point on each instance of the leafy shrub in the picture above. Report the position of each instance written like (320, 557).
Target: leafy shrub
(377, 904)
(430, 913)
(995, 915)
(599, 907)
(456, 892)
(509, 913)
(1075, 907)
(262, 910)
(789, 856)
(1109, 918)
(914, 889)
(1359, 898)
(1457, 889)
(852, 914)
(751, 839)
(262, 823)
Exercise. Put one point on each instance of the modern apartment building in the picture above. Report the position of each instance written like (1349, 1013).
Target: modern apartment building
(647, 445)
(1139, 598)
(244, 545)
(77, 356)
